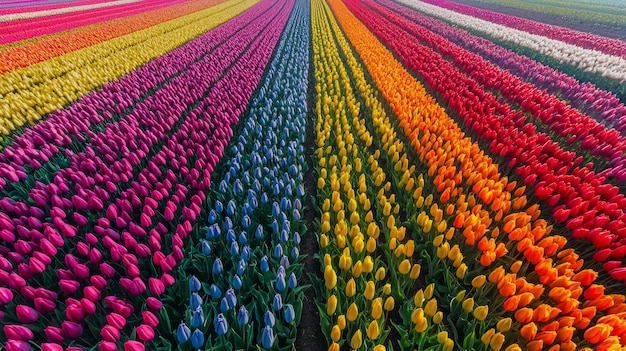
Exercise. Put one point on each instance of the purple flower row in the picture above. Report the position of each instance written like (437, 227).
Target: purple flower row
(153, 215)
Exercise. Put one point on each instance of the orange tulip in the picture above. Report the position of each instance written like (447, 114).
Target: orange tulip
(535, 345)
(597, 333)
(529, 331)
(511, 303)
(524, 315)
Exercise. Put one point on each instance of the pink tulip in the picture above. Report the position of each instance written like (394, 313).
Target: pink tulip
(71, 330)
(133, 345)
(18, 332)
(156, 286)
(6, 296)
(54, 334)
(17, 345)
(149, 318)
(116, 320)
(154, 304)
(42, 257)
(107, 270)
(71, 261)
(81, 271)
(82, 248)
(145, 333)
(74, 313)
(142, 251)
(107, 346)
(44, 305)
(16, 282)
(69, 287)
(51, 347)
(24, 271)
(36, 266)
(168, 280)
(5, 264)
(26, 314)
(109, 333)
(87, 306)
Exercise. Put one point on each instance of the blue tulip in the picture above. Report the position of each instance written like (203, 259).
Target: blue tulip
(223, 187)
(280, 282)
(242, 316)
(195, 301)
(197, 339)
(234, 248)
(281, 270)
(267, 338)
(243, 238)
(295, 253)
(219, 207)
(293, 170)
(220, 324)
(218, 267)
(213, 232)
(231, 236)
(256, 185)
(283, 204)
(241, 267)
(224, 307)
(228, 223)
(269, 319)
(238, 187)
(297, 204)
(246, 176)
(254, 203)
(290, 314)
(296, 215)
(296, 238)
(259, 232)
(246, 209)
(194, 284)
(245, 253)
(216, 293)
(284, 236)
(289, 192)
(231, 298)
(275, 209)
(284, 262)
(300, 191)
(275, 227)
(277, 304)
(264, 198)
(264, 264)
(286, 224)
(237, 284)
(206, 247)
(245, 221)
(232, 171)
(183, 333)
(278, 251)
(197, 320)
(230, 208)
(293, 282)
(276, 190)
(212, 217)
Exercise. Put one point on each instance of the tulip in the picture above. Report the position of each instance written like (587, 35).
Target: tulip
(17, 345)
(132, 345)
(293, 282)
(217, 266)
(373, 330)
(267, 337)
(220, 325)
(353, 312)
(154, 304)
(264, 264)
(195, 301)
(109, 333)
(197, 319)
(183, 333)
(149, 319)
(269, 319)
(71, 330)
(197, 339)
(242, 316)
(25, 314)
(290, 314)
(277, 303)
(17, 332)
(6, 296)
(215, 292)
(356, 340)
(369, 290)
(280, 282)
(51, 347)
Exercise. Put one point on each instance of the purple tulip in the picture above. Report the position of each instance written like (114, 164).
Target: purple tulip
(44, 305)
(17, 345)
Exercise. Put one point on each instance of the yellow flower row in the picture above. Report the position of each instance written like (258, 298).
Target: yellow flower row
(30, 93)
(486, 209)
(360, 287)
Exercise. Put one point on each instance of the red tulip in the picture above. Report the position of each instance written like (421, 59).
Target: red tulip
(618, 273)
(18, 332)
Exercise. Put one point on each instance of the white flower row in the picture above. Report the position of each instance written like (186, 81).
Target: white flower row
(35, 14)
(610, 66)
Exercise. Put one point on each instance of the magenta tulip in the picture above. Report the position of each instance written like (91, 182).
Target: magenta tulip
(74, 313)
(110, 333)
(145, 333)
(69, 287)
(18, 332)
(87, 306)
(17, 345)
(26, 314)
(44, 305)
(54, 334)
(150, 319)
(168, 280)
(107, 346)
(156, 286)
(154, 304)
(51, 347)
(116, 320)
(6, 296)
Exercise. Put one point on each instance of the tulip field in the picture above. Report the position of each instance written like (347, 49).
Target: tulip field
(310, 175)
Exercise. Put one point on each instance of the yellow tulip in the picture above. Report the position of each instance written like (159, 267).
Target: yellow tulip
(479, 281)
(377, 308)
(442, 337)
(334, 347)
(323, 239)
(409, 248)
(486, 338)
(369, 217)
(468, 304)
(442, 251)
(387, 289)
(431, 307)
(341, 240)
(357, 268)
(405, 267)
(330, 277)
(354, 218)
(393, 243)
(321, 183)
(373, 331)
(438, 317)
(454, 252)
(428, 292)
(326, 205)
(419, 298)
(370, 288)
(460, 272)
(497, 341)
(371, 245)
(331, 306)
(421, 325)
(368, 264)
(448, 345)
(357, 340)
(341, 322)
(327, 260)
(335, 333)
(352, 205)
(438, 240)
(351, 288)
(417, 315)
(358, 244)
(515, 267)
(460, 296)
(390, 303)
(380, 348)
(481, 312)
(513, 347)
(504, 325)
(380, 274)
(372, 230)
(353, 312)
(415, 271)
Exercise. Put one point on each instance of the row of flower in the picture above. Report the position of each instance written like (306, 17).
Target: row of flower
(539, 52)
(582, 39)
(242, 268)
(530, 301)
(62, 10)
(593, 61)
(602, 105)
(17, 6)
(32, 92)
(592, 209)
(16, 31)
(104, 287)
(566, 125)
